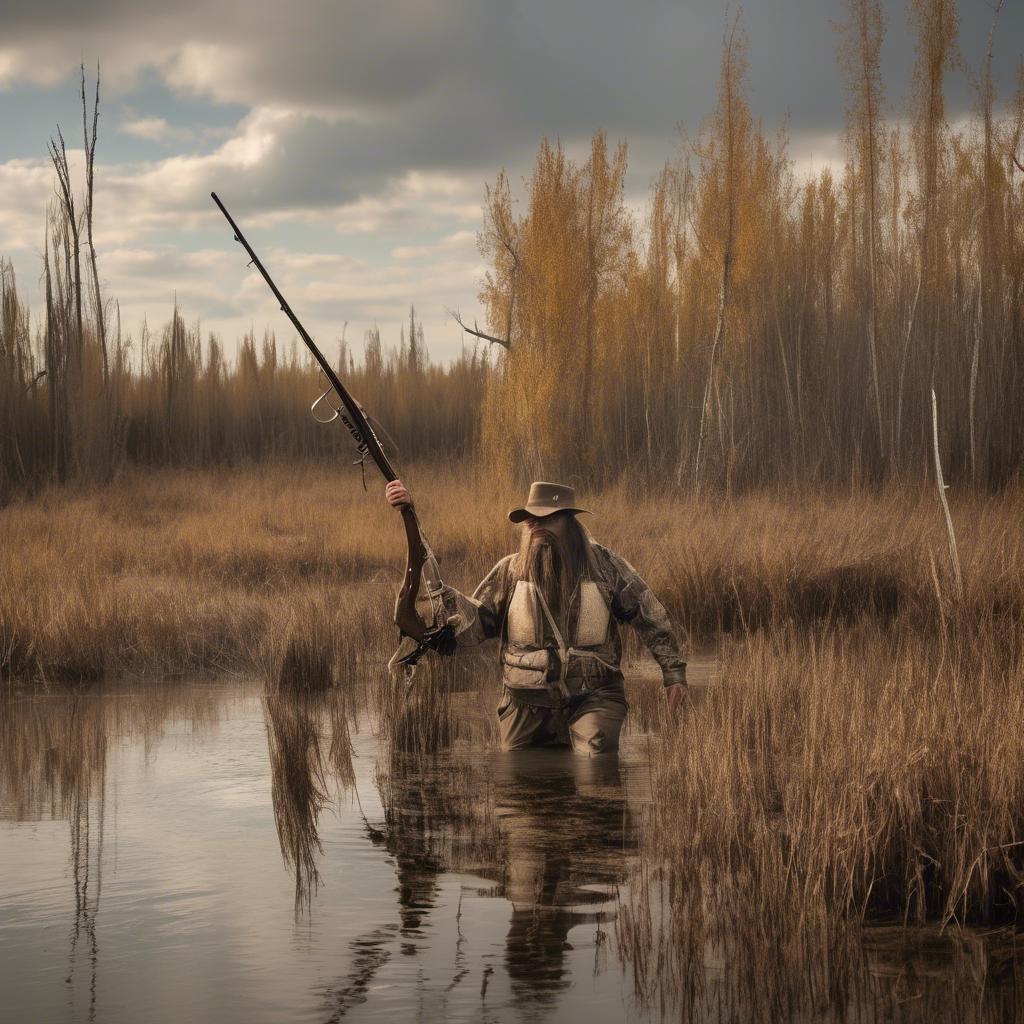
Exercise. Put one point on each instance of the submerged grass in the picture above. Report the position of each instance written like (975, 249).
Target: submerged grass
(837, 776)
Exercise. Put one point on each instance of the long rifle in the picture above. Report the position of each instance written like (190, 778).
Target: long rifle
(421, 564)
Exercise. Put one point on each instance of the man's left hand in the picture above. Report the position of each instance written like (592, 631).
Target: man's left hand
(678, 696)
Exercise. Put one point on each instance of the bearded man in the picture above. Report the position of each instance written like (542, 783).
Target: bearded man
(555, 606)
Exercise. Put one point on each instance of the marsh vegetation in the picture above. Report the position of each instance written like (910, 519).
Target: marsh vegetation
(179, 571)
(756, 434)
(525, 881)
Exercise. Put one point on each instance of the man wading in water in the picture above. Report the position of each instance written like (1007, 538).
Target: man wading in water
(555, 606)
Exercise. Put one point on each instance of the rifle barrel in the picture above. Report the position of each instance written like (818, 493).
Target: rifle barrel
(358, 425)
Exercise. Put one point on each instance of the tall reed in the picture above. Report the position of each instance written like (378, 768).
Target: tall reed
(179, 571)
(837, 776)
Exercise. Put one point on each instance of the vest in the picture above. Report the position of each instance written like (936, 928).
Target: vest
(527, 662)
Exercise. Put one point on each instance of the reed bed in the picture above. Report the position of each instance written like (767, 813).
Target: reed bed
(837, 776)
(183, 571)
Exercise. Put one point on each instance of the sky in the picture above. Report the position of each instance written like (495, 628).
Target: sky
(352, 141)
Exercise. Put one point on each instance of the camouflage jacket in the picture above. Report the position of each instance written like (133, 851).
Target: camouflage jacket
(629, 600)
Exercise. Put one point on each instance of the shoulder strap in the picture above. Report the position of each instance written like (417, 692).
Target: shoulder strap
(563, 651)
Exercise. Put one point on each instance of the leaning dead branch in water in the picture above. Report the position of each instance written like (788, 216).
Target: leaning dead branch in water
(954, 557)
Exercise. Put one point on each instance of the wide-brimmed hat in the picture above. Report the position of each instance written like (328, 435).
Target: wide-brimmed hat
(546, 498)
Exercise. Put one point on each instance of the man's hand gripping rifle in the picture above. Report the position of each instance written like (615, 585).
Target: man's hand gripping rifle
(422, 572)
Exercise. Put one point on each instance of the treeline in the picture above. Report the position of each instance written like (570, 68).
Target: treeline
(757, 328)
(180, 402)
(79, 398)
(189, 405)
(750, 328)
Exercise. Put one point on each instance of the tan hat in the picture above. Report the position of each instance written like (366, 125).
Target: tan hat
(546, 498)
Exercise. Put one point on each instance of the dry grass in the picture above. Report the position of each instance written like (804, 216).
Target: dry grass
(838, 775)
(174, 572)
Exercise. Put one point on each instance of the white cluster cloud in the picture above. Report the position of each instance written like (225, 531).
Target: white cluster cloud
(378, 124)
(155, 129)
(26, 186)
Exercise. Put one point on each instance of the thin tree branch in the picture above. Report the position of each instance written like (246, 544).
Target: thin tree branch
(30, 386)
(954, 557)
(505, 343)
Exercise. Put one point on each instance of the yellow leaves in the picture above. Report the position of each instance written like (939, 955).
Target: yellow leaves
(552, 269)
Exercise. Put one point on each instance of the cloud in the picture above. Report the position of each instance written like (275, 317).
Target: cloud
(533, 67)
(347, 99)
(154, 129)
(370, 128)
(26, 186)
(459, 241)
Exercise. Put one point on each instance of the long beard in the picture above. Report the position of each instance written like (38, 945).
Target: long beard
(544, 561)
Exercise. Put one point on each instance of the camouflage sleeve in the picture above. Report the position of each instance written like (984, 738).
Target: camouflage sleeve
(479, 617)
(634, 602)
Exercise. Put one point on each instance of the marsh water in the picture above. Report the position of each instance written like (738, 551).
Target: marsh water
(196, 852)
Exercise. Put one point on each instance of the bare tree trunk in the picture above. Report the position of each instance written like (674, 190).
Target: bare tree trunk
(905, 354)
(868, 55)
(719, 331)
(973, 389)
(861, 55)
(988, 267)
(90, 156)
(72, 341)
(790, 403)
(728, 79)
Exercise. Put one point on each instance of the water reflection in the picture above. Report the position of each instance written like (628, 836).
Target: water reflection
(569, 841)
(551, 830)
(555, 838)
(370, 952)
(696, 953)
(310, 750)
(53, 766)
(482, 886)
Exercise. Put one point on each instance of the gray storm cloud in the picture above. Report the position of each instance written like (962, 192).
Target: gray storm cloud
(374, 115)
(377, 89)
(465, 78)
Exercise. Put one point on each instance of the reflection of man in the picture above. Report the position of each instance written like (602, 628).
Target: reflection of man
(564, 826)
(555, 606)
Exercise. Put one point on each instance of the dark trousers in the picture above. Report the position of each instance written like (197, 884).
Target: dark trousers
(590, 723)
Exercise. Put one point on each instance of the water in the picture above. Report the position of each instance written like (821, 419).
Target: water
(187, 852)
(142, 878)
